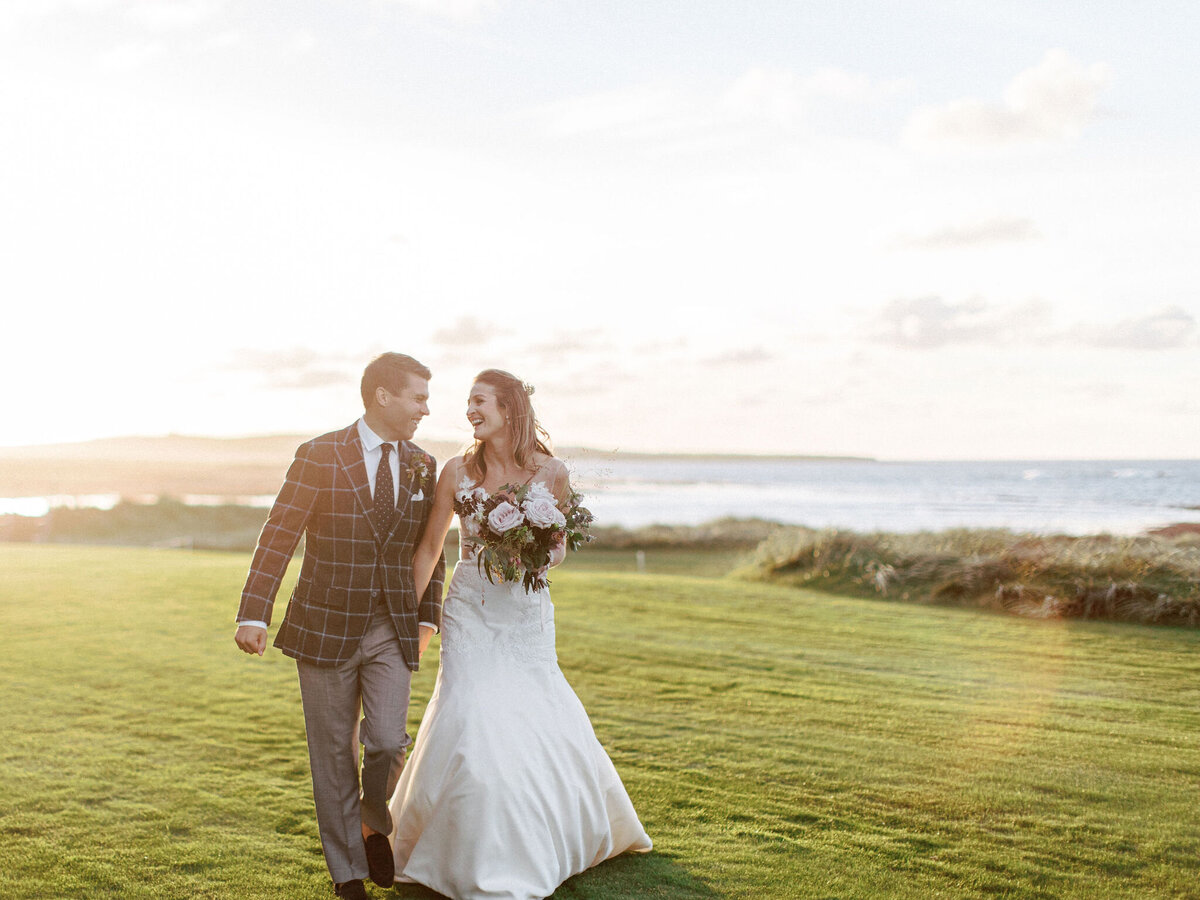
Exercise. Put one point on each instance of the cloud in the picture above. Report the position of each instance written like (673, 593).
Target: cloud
(177, 15)
(1051, 101)
(462, 11)
(763, 93)
(467, 331)
(567, 346)
(1168, 329)
(132, 55)
(627, 111)
(740, 357)
(248, 359)
(593, 382)
(927, 323)
(781, 96)
(153, 15)
(134, 31)
(772, 96)
(308, 378)
(1097, 390)
(302, 42)
(297, 367)
(977, 234)
(660, 346)
(224, 41)
(851, 87)
(13, 11)
(930, 322)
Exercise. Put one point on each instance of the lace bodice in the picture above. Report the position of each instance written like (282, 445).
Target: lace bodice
(499, 620)
(496, 620)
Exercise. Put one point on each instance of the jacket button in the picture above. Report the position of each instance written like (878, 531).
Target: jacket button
(374, 593)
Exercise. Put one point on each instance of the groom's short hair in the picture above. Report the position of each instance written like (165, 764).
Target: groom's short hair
(389, 371)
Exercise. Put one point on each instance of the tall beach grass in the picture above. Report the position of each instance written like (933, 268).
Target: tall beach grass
(1147, 579)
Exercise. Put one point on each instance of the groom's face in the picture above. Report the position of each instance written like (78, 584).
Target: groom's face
(401, 413)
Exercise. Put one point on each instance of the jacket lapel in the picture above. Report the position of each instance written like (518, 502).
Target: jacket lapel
(350, 457)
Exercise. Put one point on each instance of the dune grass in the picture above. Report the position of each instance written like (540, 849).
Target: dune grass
(777, 743)
(1147, 579)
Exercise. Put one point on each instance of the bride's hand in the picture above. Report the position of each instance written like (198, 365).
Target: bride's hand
(557, 554)
(426, 635)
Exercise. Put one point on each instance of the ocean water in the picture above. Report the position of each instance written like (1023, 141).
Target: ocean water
(1118, 497)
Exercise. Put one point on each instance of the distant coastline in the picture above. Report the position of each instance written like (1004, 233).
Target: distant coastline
(191, 446)
(177, 465)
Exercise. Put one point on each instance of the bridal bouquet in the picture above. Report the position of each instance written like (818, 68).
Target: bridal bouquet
(519, 526)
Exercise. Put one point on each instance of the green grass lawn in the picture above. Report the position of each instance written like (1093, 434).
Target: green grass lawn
(777, 743)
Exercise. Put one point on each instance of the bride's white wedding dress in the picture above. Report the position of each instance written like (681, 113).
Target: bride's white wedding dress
(507, 793)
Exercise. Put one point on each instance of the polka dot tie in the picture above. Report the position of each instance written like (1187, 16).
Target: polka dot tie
(385, 493)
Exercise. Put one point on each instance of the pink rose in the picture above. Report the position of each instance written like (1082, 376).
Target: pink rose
(504, 517)
(542, 513)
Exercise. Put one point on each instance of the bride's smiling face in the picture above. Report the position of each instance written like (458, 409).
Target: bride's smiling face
(484, 412)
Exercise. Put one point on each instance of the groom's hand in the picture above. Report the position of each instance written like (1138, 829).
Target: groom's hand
(251, 638)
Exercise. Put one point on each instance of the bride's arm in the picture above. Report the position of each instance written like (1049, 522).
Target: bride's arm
(561, 488)
(429, 551)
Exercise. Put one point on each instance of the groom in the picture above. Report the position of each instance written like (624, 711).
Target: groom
(354, 625)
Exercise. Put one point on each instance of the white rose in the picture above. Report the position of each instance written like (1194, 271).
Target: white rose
(538, 491)
(504, 517)
(541, 512)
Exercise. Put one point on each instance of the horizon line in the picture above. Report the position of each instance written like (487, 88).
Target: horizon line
(619, 451)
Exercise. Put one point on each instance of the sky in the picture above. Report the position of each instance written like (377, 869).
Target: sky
(938, 229)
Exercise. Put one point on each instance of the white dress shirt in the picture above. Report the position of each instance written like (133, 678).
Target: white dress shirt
(371, 444)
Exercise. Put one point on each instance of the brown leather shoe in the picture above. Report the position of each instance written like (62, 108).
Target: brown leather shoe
(380, 861)
(351, 890)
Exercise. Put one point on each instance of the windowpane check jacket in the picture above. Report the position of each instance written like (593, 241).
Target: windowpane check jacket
(348, 560)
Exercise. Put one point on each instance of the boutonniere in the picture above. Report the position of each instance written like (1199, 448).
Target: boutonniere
(419, 471)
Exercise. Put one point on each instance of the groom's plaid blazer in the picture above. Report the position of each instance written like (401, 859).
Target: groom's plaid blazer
(348, 560)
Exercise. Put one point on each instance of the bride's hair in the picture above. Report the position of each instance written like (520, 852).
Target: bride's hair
(527, 434)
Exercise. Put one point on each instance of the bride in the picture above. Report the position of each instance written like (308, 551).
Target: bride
(507, 792)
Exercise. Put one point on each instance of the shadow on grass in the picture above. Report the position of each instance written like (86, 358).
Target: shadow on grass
(633, 875)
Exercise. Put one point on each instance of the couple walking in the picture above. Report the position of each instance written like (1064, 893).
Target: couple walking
(507, 793)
